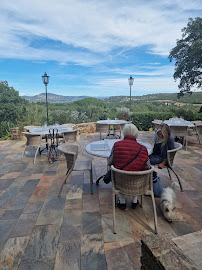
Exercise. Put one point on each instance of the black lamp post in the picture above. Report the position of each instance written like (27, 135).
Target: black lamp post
(45, 79)
(130, 81)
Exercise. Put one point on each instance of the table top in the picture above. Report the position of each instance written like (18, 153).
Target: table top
(103, 148)
(45, 130)
(113, 122)
(178, 122)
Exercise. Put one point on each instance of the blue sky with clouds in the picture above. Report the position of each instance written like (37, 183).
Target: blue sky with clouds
(91, 47)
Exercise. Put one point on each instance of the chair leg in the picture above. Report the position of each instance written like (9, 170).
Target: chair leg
(64, 182)
(113, 210)
(80, 147)
(155, 215)
(36, 154)
(169, 174)
(177, 178)
(23, 154)
(186, 142)
(91, 179)
(141, 200)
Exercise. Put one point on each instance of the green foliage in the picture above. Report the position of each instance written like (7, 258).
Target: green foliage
(188, 55)
(12, 106)
(124, 113)
(4, 130)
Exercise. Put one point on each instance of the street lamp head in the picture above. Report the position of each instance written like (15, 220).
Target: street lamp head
(45, 78)
(130, 80)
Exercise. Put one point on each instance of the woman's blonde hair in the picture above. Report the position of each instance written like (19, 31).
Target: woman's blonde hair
(165, 130)
(130, 129)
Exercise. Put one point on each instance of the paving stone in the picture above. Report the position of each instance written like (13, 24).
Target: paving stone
(43, 243)
(8, 196)
(6, 168)
(11, 214)
(117, 257)
(37, 265)
(181, 227)
(6, 227)
(10, 175)
(52, 211)
(91, 223)
(33, 207)
(72, 218)
(73, 204)
(39, 194)
(92, 252)
(18, 167)
(12, 252)
(68, 256)
(20, 200)
(30, 185)
(90, 203)
(4, 184)
(24, 225)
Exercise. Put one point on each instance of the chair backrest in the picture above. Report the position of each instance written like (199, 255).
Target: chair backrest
(132, 182)
(199, 128)
(171, 153)
(33, 139)
(71, 153)
(70, 136)
(28, 128)
(102, 127)
(179, 130)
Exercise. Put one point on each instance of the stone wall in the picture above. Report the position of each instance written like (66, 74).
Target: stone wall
(160, 253)
(86, 127)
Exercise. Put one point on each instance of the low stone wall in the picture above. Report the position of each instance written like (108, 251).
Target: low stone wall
(86, 127)
(15, 133)
(160, 253)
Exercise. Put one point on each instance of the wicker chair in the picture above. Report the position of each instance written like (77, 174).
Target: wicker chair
(132, 183)
(157, 123)
(71, 137)
(170, 157)
(180, 131)
(102, 128)
(71, 153)
(33, 140)
(118, 132)
(198, 129)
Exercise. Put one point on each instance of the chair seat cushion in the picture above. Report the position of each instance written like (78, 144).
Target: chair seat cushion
(83, 165)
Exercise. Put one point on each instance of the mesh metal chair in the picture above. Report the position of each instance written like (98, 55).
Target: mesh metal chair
(198, 129)
(102, 128)
(180, 131)
(132, 183)
(71, 153)
(33, 140)
(170, 157)
(71, 137)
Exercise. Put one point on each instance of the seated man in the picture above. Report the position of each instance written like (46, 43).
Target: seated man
(129, 155)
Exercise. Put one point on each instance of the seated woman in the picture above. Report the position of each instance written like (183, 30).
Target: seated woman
(123, 152)
(163, 142)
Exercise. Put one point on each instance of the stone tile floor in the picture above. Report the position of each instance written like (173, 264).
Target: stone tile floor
(38, 230)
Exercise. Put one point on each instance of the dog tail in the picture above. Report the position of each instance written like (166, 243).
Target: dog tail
(175, 185)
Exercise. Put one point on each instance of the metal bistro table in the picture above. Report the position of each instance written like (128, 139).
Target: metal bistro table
(103, 149)
(51, 132)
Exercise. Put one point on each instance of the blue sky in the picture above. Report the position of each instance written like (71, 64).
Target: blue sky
(91, 47)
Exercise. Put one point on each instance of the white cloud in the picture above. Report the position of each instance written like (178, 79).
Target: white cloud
(95, 26)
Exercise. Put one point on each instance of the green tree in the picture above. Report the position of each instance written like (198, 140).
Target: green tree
(12, 106)
(188, 56)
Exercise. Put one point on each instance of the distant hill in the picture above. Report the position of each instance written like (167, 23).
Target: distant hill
(194, 98)
(53, 98)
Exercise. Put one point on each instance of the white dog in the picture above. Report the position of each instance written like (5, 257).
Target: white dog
(168, 202)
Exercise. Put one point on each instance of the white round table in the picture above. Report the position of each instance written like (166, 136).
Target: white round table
(178, 122)
(45, 130)
(103, 148)
(113, 122)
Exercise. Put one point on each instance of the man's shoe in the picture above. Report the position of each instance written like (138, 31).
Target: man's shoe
(121, 206)
(133, 205)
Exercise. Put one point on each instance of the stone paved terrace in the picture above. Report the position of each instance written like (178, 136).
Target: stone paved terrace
(38, 230)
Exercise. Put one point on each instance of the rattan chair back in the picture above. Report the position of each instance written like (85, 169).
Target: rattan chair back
(71, 154)
(70, 136)
(157, 123)
(171, 153)
(102, 128)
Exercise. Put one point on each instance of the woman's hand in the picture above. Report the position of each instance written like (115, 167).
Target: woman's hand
(161, 165)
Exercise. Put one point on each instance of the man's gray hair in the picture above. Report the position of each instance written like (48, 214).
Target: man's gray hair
(130, 129)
